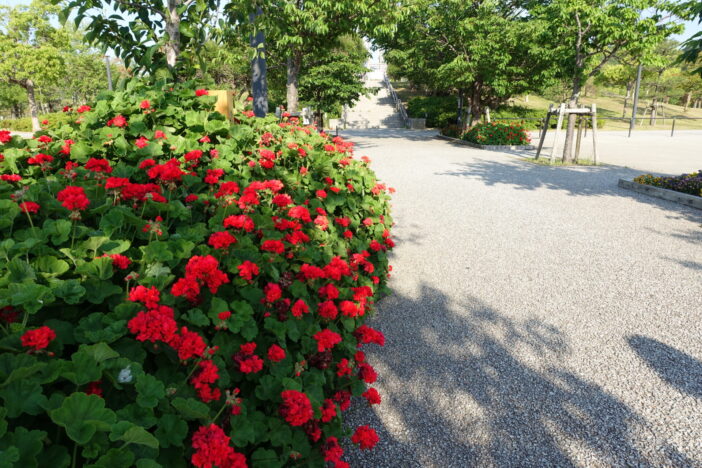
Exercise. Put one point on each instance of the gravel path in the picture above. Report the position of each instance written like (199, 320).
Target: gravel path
(540, 317)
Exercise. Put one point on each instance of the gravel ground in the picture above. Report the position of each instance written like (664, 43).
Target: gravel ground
(541, 316)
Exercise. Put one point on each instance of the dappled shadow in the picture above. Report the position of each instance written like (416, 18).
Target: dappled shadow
(575, 180)
(372, 137)
(686, 263)
(466, 385)
(678, 369)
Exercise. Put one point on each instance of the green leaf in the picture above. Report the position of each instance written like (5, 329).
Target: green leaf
(3, 421)
(30, 296)
(298, 289)
(28, 443)
(171, 431)
(85, 368)
(80, 151)
(82, 416)
(70, 291)
(134, 435)
(190, 408)
(100, 352)
(196, 317)
(149, 390)
(20, 271)
(98, 291)
(114, 458)
(59, 230)
(51, 266)
(264, 458)
(9, 210)
(23, 396)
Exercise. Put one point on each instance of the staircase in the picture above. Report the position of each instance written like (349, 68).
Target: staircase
(373, 111)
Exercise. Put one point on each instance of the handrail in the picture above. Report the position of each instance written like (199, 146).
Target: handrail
(398, 102)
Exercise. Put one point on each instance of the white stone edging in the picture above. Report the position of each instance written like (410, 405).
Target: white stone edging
(662, 193)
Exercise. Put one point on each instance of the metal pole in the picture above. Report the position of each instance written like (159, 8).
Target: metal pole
(109, 72)
(672, 130)
(632, 122)
(258, 68)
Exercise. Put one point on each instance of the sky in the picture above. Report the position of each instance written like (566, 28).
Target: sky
(691, 27)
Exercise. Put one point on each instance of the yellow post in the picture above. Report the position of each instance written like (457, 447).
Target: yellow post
(225, 102)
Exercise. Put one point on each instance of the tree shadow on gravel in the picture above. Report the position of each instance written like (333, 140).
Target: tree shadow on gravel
(678, 369)
(374, 136)
(465, 385)
(575, 180)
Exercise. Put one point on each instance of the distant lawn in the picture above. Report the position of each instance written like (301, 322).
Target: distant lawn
(608, 105)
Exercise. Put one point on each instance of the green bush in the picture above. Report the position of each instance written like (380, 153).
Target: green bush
(440, 111)
(179, 289)
(49, 121)
(497, 133)
(685, 183)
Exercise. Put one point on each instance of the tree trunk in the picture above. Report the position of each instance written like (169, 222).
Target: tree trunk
(258, 69)
(293, 65)
(29, 86)
(572, 103)
(626, 98)
(173, 31)
(476, 104)
(688, 96)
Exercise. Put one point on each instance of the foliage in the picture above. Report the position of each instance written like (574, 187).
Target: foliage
(148, 36)
(685, 183)
(692, 47)
(176, 287)
(497, 133)
(436, 47)
(439, 111)
(51, 120)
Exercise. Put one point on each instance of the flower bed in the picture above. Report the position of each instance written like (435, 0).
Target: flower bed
(685, 183)
(179, 289)
(497, 133)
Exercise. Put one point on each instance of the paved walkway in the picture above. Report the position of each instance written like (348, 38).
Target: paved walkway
(541, 316)
(647, 150)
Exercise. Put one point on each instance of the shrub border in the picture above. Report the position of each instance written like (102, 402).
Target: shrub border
(486, 147)
(662, 193)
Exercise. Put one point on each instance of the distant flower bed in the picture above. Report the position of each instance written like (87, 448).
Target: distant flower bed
(686, 183)
(497, 133)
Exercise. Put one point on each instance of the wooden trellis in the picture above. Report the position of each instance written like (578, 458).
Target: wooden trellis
(561, 112)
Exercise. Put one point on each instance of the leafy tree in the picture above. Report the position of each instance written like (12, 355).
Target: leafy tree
(586, 35)
(483, 51)
(31, 50)
(692, 47)
(336, 77)
(147, 35)
(296, 28)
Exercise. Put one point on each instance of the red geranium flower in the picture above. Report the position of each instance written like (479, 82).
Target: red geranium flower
(98, 165)
(29, 207)
(201, 92)
(221, 240)
(141, 142)
(145, 104)
(73, 198)
(39, 338)
(296, 408)
(326, 339)
(276, 353)
(118, 121)
(365, 437)
(247, 270)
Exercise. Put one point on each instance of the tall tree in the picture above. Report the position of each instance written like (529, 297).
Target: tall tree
(586, 35)
(692, 47)
(298, 27)
(148, 35)
(485, 52)
(31, 50)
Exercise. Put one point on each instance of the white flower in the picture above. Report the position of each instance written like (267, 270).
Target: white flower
(125, 375)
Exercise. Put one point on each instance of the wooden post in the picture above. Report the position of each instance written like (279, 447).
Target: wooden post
(561, 113)
(487, 114)
(225, 101)
(578, 139)
(672, 130)
(594, 132)
(543, 133)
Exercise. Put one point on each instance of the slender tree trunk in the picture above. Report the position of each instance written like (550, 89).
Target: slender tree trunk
(688, 96)
(476, 104)
(572, 103)
(626, 98)
(173, 31)
(258, 69)
(33, 111)
(293, 65)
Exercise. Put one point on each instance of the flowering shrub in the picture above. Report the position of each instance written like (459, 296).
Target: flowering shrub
(497, 133)
(686, 183)
(178, 289)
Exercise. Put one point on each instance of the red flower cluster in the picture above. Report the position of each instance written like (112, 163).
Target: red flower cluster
(326, 339)
(202, 380)
(73, 198)
(98, 165)
(248, 362)
(247, 270)
(29, 207)
(39, 338)
(365, 437)
(118, 121)
(170, 171)
(296, 408)
(200, 271)
(211, 448)
(276, 353)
